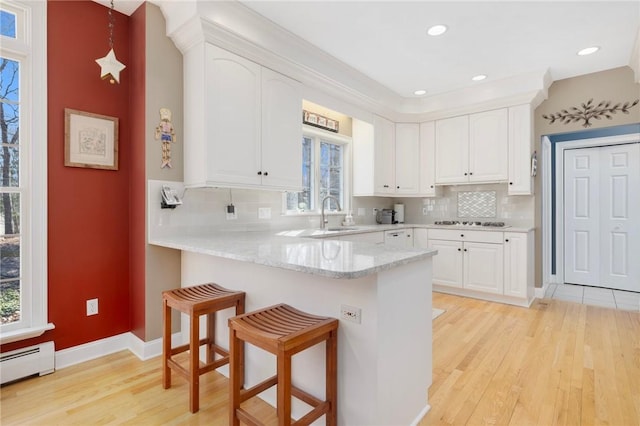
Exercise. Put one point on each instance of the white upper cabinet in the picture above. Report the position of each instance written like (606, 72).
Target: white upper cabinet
(427, 165)
(488, 145)
(393, 159)
(472, 148)
(363, 157)
(233, 113)
(249, 132)
(384, 156)
(281, 131)
(452, 150)
(520, 141)
(407, 153)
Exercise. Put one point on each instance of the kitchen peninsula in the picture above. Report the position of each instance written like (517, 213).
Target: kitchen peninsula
(385, 355)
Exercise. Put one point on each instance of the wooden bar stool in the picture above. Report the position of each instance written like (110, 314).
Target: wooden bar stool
(282, 331)
(204, 299)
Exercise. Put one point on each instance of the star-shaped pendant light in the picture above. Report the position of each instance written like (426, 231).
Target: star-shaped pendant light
(110, 67)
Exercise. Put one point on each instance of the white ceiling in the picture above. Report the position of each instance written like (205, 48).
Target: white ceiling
(387, 41)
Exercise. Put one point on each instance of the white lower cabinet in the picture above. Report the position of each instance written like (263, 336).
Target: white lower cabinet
(483, 267)
(518, 264)
(447, 264)
(494, 265)
(471, 265)
(420, 238)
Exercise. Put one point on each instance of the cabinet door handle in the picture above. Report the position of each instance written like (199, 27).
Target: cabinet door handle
(506, 240)
(462, 235)
(470, 173)
(431, 186)
(259, 173)
(397, 187)
(510, 183)
(465, 249)
(385, 186)
(266, 173)
(465, 173)
(459, 249)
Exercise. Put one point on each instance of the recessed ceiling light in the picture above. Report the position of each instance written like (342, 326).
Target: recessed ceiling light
(420, 92)
(437, 30)
(588, 50)
(478, 77)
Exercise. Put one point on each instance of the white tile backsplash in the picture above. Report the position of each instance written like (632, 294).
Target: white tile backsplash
(517, 210)
(205, 208)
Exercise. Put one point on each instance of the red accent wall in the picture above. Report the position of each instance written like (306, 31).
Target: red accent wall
(138, 179)
(88, 210)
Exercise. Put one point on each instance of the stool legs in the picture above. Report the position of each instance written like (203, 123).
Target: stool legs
(284, 389)
(194, 363)
(196, 301)
(166, 345)
(331, 381)
(211, 332)
(235, 384)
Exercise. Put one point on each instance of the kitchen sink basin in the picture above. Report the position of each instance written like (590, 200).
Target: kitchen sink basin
(342, 228)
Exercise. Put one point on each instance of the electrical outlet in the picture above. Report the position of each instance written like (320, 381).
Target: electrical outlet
(264, 213)
(92, 307)
(351, 313)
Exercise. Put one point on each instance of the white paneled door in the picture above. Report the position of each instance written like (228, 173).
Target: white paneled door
(602, 215)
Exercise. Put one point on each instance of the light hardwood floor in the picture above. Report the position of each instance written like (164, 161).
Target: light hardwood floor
(555, 363)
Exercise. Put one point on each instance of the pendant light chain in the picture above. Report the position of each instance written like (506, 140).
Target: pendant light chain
(112, 24)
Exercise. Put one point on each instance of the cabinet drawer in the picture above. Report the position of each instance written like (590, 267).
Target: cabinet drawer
(466, 235)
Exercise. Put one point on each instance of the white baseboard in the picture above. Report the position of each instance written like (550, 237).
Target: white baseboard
(420, 416)
(541, 291)
(96, 349)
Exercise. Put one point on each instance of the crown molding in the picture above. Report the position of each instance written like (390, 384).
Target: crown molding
(234, 27)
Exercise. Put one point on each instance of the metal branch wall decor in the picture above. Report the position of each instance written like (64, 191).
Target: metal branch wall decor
(588, 111)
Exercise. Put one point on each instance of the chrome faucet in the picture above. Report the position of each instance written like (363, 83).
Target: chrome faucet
(324, 221)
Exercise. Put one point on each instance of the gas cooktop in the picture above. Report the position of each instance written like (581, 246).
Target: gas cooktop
(469, 223)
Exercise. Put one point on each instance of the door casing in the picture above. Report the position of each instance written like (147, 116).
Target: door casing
(548, 277)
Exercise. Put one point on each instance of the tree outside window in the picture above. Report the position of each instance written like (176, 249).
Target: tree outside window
(10, 238)
(323, 173)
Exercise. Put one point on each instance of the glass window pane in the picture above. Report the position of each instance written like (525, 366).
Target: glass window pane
(10, 303)
(304, 200)
(9, 166)
(331, 171)
(9, 258)
(7, 24)
(9, 213)
(9, 81)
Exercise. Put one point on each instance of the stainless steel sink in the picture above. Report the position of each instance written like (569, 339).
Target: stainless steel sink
(342, 228)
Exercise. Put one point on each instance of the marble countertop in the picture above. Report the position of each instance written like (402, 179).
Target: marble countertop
(361, 229)
(326, 257)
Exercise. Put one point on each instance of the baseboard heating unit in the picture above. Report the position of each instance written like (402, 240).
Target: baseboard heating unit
(38, 359)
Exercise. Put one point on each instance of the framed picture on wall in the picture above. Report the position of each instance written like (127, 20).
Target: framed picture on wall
(90, 140)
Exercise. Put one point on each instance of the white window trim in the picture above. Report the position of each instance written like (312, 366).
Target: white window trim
(33, 116)
(335, 138)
